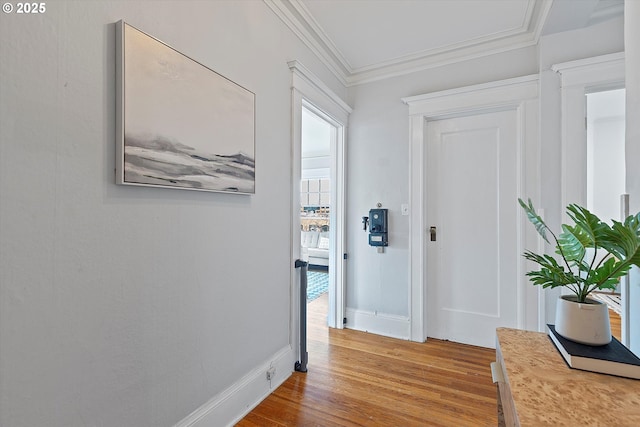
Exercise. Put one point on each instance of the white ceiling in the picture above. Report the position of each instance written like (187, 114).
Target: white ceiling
(379, 32)
(367, 40)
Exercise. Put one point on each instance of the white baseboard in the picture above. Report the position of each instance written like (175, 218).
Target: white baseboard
(232, 404)
(388, 325)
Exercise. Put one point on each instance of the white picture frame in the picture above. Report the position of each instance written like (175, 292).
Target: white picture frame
(179, 123)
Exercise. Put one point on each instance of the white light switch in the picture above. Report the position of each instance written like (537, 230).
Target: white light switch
(404, 208)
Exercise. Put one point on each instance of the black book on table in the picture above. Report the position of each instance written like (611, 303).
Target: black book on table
(613, 358)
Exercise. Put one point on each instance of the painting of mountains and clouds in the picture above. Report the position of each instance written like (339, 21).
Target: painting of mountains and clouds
(182, 124)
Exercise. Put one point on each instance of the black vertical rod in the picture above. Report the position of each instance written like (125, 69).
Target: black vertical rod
(301, 365)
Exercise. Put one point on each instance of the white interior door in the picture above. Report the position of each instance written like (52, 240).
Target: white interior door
(472, 189)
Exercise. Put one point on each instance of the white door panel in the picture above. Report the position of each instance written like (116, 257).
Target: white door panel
(472, 185)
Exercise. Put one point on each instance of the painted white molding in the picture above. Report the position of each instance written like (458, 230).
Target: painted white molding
(577, 79)
(542, 302)
(625, 282)
(315, 30)
(459, 100)
(297, 17)
(230, 406)
(307, 82)
(417, 229)
(310, 92)
(384, 324)
(589, 70)
(308, 37)
(604, 13)
(518, 94)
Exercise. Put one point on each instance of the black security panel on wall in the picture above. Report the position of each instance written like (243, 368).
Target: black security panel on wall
(378, 227)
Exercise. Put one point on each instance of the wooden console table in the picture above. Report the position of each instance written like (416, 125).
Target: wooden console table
(537, 387)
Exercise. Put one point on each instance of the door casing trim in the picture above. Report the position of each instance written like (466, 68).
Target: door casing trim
(578, 78)
(520, 94)
(308, 91)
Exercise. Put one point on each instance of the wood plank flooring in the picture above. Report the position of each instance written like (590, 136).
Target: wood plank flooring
(360, 379)
(614, 320)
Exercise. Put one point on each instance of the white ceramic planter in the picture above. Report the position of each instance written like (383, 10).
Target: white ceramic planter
(586, 323)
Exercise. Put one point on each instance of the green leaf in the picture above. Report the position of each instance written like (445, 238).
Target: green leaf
(535, 219)
(594, 232)
(572, 243)
(621, 242)
(608, 274)
(551, 274)
(624, 239)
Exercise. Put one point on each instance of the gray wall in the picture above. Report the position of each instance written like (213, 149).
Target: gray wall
(378, 171)
(378, 152)
(126, 306)
(133, 306)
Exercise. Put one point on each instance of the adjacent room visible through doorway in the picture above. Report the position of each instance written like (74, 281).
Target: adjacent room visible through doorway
(606, 172)
(315, 201)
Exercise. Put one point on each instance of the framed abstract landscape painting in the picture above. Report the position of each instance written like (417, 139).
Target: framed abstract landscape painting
(179, 123)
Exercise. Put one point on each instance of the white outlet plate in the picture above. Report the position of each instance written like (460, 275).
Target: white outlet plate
(404, 208)
(271, 372)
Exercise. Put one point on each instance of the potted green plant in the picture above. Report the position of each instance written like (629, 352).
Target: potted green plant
(593, 255)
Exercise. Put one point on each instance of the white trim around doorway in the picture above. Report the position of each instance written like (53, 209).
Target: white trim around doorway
(578, 78)
(520, 94)
(310, 92)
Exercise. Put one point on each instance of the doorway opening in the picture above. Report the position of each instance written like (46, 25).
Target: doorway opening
(580, 80)
(606, 173)
(315, 203)
(319, 214)
(311, 95)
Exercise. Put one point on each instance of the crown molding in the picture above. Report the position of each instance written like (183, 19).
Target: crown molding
(298, 18)
(605, 13)
(442, 58)
(314, 82)
(296, 23)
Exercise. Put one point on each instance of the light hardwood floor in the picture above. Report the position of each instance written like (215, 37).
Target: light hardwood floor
(614, 319)
(360, 379)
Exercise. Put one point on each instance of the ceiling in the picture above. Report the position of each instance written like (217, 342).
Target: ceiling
(368, 40)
